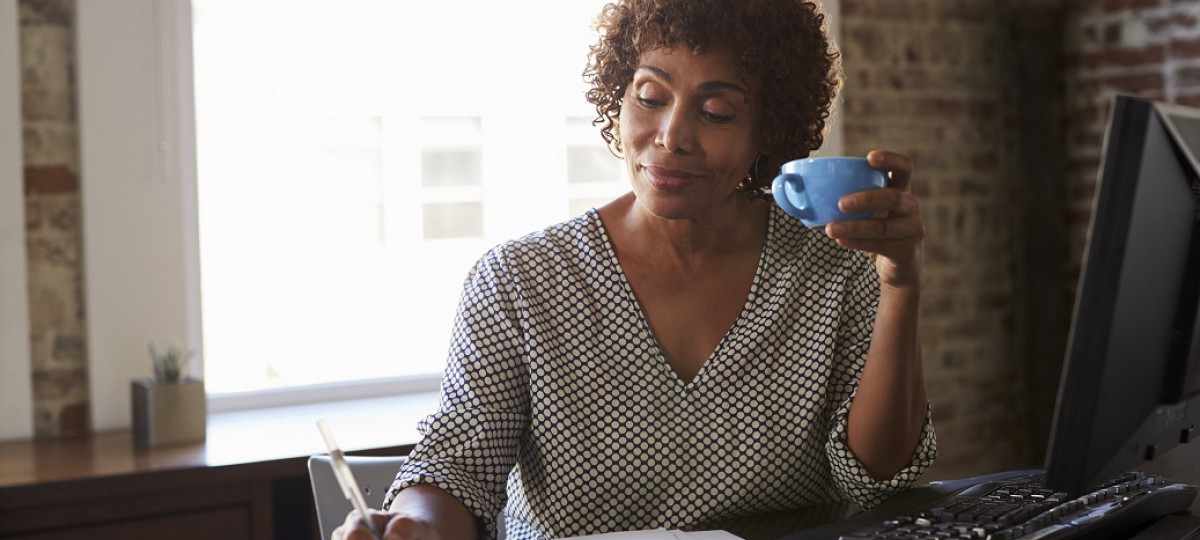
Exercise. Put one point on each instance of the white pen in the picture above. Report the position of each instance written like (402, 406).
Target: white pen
(345, 479)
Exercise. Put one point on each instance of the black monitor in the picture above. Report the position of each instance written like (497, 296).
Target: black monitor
(1132, 370)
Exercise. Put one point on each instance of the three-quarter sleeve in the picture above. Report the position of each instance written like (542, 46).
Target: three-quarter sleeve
(469, 446)
(858, 323)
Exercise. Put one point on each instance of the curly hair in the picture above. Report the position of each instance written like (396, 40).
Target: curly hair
(782, 44)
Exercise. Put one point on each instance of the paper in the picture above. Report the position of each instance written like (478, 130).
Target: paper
(659, 534)
(711, 535)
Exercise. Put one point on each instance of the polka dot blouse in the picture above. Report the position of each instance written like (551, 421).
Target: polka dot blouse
(559, 408)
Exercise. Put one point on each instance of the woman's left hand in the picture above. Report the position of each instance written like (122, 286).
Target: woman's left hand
(893, 236)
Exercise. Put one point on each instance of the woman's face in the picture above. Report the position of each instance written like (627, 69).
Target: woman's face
(688, 130)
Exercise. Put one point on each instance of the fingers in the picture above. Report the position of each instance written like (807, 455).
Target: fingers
(890, 200)
(908, 230)
(899, 167)
(354, 529)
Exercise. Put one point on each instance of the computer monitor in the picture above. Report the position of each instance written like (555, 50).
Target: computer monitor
(1132, 370)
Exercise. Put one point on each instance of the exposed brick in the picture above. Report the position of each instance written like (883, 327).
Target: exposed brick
(892, 9)
(47, 73)
(962, 11)
(50, 12)
(1135, 83)
(995, 300)
(983, 108)
(942, 107)
(945, 98)
(50, 179)
(1185, 48)
(1158, 25)
(54, 251)
(68, 349)
(50, 143)
(57, 385)
(1123, 57)
(1121, 5)
(64, 216)
(1188, 99)
(1188, 76)
(33, 215)
(985, 161)
(1089, 33)
(1112, 33)
(1184, 20)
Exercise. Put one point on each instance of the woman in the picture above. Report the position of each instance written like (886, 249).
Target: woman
(688, 351)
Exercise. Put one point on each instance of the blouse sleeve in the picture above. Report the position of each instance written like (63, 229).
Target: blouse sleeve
(469, 446)
(857, 324)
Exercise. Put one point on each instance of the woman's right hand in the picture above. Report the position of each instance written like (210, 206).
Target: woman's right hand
(394, 527)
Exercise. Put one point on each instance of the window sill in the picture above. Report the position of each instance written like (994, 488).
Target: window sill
(279, 436)
(291, 431)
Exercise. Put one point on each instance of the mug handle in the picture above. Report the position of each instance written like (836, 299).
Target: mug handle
(785, 199)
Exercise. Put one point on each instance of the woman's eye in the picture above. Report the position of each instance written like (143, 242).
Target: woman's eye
(645, 101)
(717, 118)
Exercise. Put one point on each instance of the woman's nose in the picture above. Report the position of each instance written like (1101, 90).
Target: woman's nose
(675, 132)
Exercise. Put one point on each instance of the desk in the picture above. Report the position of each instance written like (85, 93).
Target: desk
(249, 480)
(1180, 464)
(100, 486)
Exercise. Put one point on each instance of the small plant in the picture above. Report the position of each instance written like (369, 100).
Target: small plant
(170, 366)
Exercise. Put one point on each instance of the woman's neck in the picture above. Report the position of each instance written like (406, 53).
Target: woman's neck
(738, 227)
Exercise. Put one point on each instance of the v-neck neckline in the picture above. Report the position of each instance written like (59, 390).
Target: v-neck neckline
(644, 322)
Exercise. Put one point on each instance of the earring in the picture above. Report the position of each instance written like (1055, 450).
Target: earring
(753, 173)
(747, 183)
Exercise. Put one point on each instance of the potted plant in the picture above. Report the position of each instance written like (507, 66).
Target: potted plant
(170, 408)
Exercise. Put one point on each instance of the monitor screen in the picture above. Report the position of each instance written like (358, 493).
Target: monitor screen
(1129, 386)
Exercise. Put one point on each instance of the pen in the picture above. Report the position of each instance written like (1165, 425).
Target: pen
(345, 479)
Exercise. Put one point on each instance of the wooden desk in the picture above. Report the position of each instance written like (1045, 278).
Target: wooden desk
(249, 480)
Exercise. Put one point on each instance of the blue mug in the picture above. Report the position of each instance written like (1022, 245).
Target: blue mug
(810, 188)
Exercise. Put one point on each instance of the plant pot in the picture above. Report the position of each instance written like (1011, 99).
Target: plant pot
(168, 413)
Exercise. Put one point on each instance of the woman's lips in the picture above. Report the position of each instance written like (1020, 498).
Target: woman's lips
(667, 179)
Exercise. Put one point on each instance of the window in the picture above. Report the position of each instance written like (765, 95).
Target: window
(593, 173)
(447, 61)
(354, 162)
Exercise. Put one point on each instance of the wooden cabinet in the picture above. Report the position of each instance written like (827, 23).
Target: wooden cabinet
(233, 523)
(101, 487)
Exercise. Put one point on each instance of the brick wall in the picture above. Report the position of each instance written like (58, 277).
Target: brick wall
(1003, 106)
(52, 210)
(1146, 48)
(929, 78)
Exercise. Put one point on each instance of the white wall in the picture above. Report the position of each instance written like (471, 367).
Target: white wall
(16, 399)
(138, 190)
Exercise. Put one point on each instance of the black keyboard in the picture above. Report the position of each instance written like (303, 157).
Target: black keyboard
(1020, 507)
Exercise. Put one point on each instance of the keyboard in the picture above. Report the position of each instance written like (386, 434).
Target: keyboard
(1020, 507)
